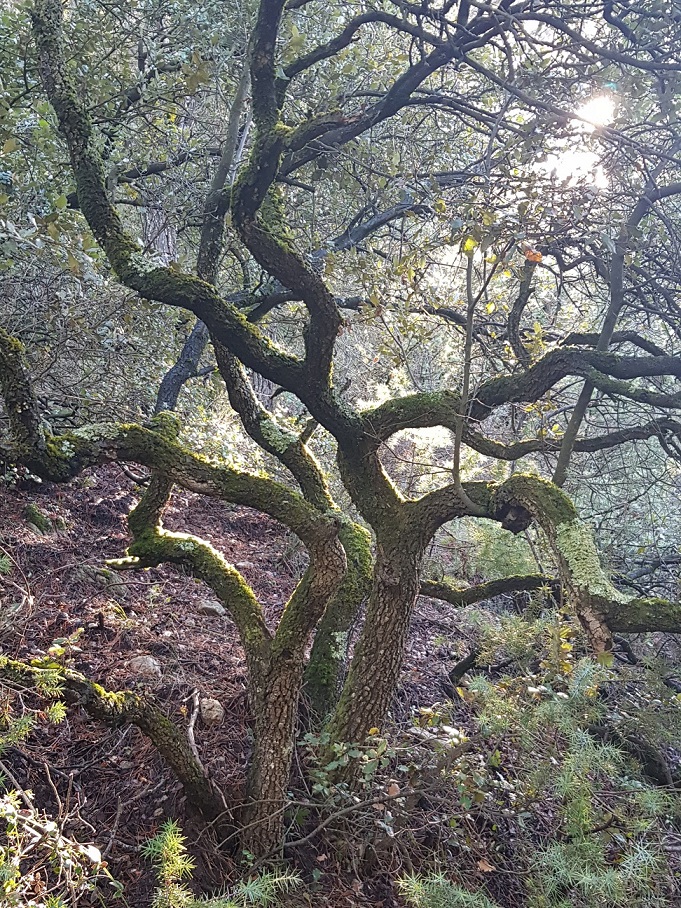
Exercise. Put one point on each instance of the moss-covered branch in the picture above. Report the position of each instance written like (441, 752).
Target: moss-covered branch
(258, 211)
(126, 707)
(329, 650)
(441, 408)
(283, 444)
(152, 545)
(600, 607)
(20, 401)
(136, 270)
(468, 595)
(60, 458)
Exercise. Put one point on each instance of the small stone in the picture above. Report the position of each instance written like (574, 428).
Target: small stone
(145, 665)
(212, 608)
(212, 711)
(244, 565)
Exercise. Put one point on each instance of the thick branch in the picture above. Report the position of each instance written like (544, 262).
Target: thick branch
(600, 607)
(135, 270)
(463, 596)
(441, 407)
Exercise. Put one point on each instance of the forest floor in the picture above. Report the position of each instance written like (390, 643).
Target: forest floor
(109, 783)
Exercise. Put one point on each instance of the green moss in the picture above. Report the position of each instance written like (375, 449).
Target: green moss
(576, 546)
(167, 424)
(34, 515)
(412, 411)
(328, 651)
(638, 616)
(544, 500)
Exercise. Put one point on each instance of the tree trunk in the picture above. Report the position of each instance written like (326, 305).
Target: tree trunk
(375, 668)
(276, 708)
(329, 651)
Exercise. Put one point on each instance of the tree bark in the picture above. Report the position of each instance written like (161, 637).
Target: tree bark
(375, 669)
(276, 709)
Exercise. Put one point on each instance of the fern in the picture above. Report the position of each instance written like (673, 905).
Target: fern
(5, 565)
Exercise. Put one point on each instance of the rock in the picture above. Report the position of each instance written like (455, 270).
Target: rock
(212, 608)
(38, 521)
(212, 711)
(244, 565)
(145, 665)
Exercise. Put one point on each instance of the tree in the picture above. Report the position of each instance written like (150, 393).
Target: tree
(495, 93)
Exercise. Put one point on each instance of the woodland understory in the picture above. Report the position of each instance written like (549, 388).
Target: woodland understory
(388, 294)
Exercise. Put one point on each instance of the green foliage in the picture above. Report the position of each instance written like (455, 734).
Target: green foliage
(168, 853)
(604, 843)
(435, 891)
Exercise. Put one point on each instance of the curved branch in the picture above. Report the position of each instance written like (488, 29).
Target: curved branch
(331, 48)
(590, 339)
(606, 370)
(135, 270)
(61, 457)
(600, 607)
(116, 708)
(516, 314)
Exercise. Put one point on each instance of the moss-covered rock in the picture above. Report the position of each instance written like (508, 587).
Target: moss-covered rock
(35, 517)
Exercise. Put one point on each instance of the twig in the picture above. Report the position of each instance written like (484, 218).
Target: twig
(60, 806)
(24, 797)
(194, 697)
(114, 828)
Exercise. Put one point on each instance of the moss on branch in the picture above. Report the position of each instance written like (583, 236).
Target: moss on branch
(125, 707)
(21, 404)
(468, 595)
(322, 676)
(135, 269)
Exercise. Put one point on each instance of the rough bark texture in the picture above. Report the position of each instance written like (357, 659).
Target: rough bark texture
(374, 672)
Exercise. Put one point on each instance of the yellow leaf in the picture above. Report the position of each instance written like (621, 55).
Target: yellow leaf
(373, 731)
(469, 245)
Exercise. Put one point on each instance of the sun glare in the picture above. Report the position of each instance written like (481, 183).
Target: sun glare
(573, 163)
(599, 111)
